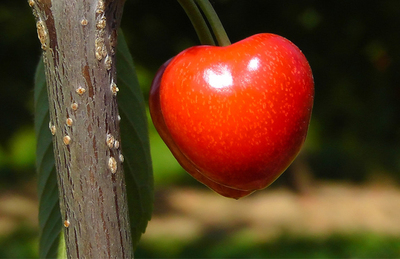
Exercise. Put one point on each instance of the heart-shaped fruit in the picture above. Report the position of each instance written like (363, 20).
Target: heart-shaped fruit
(235, 117)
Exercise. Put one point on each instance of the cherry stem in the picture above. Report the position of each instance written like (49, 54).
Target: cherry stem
(198, 22)
(214, 21)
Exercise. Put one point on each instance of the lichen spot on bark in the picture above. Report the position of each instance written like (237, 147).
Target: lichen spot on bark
(112, 164)
(67, 140)
(66, 223)
(101, 24)
(110, 141)
(42, 34)
(69, 122)
(100, 7)
(84, 22)
(114, 88)
(108, 62)
(99, 47)
(80, 90)
(52, 129)
(113, 41)
(74, 106)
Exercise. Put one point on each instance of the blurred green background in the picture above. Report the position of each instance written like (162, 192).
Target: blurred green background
(349, 168)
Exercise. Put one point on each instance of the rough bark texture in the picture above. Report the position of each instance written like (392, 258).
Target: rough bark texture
(78, 39)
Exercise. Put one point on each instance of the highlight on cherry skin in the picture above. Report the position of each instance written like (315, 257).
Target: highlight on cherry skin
(235, 117)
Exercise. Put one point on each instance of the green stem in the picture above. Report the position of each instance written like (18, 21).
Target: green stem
(198, 22)
(214, 21)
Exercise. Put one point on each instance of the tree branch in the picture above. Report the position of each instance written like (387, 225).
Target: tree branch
(78, 39)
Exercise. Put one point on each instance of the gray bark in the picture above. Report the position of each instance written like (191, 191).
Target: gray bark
(78, 39)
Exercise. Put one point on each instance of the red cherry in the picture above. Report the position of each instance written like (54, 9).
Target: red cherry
(235, 117)
(159, 123)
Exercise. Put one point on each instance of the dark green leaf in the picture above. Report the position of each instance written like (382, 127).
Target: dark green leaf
(49, 209)
(135, 142)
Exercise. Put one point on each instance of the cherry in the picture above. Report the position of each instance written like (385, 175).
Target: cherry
(159, 123)
(235, 117)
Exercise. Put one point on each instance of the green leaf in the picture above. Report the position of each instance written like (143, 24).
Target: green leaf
(49, 208)
(135, 142)
(135, 146)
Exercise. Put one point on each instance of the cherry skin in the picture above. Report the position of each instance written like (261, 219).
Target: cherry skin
(235, 117)
(159, 123)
